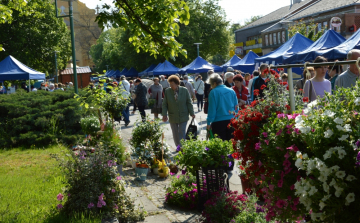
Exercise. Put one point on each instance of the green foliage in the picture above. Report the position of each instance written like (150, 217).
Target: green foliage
(182, 191)
(33, 34)
(309, 30)
(149, 130)
(94, 185)
(154, 24)
(251, 212)
(90, 125)
(32, 201)
(39, 118)
(195, 154)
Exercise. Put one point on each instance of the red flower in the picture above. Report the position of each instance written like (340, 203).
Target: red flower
(263, 86)
(256, 92)
(301, 90)
(267, 80)
(277, 75)
(284, 83)
(287, 88)
(266, 71)
(280, 69)
(288, 107)
(305, 99)
(272, 72)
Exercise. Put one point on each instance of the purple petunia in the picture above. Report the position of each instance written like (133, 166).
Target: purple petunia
(207, 149)
(183, 172)
(230, 156)
(178, 148)
(230, 164)
(259, 209)
(358, 156)
(358, 143)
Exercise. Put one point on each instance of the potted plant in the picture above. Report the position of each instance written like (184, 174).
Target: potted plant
(163, 169)
(142, 169)
(155, 166)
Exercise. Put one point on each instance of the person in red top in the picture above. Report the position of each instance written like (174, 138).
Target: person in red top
(240, 90)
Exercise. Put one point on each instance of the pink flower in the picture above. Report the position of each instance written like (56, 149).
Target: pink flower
(194, 184)
(279, 132)
(297, 131)
(265, 134)
(118, 178)
(175, 192)
(256, 181)
(271, 187)
(287, 163)
(288, 131)
(280, 183)
(262, 176)
(68, 195)
(259, 163)
(101, 197)
(293, 148)
(99, 204)
(59, 206)
(178, 176)
(287, 155)
(292, 187)
(267, 142)
(281, 115)
(289, 126)
(258, 146)
(109, 163)
(60, 197)
(279, 148)
(91, 205)
(280, 203)
(116, 207)
(172, 173)
(112, 190)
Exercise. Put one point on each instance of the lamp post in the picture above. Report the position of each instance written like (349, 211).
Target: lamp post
(72, 38)
(107, 68)
(56, 70)
(197, 46)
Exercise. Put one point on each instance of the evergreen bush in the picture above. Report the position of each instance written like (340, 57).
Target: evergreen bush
(39, 118)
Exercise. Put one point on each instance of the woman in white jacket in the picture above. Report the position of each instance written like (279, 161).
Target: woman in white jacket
(199, 91)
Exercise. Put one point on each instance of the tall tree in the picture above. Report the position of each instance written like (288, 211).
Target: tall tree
(309, 30)
(154, 24)
(33, 37)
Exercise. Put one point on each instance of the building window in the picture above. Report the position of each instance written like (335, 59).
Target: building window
(274, 38)
(325, 25)
(266, 40)
(319, 27)
(279, 37)
(283, 37)
(270, 40)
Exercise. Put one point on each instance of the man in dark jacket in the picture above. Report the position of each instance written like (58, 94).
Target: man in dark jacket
(140, 98)
(258, 82)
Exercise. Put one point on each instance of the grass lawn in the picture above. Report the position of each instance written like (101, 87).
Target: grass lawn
(29, 183)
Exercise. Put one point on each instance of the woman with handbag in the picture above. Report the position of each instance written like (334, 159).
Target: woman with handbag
(207, 92)
(156, 93)
(222, 105)
(317, 86)
(178, 104)
(199, 91)
(240, 90)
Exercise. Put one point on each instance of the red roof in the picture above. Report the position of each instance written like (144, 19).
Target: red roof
(79, 70)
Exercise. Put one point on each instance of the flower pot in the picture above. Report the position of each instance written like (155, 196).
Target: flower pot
(139, 165)
(141, 173)
(164, 174)
(245, 184)
(174, 169)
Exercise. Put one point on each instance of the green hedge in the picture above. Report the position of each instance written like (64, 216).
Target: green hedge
(39, 118)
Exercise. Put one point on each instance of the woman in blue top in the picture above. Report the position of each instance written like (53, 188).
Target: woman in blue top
(222, 104)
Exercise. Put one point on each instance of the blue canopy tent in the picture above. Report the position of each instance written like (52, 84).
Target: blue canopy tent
(165, 68)
(116, 74)
(247, 64)
(147, 70)
(295, 44)
(109, 73)
(12, 69)
(199, 65)
(131, 73)
(235, 59)
(328, 40)
(340, 51)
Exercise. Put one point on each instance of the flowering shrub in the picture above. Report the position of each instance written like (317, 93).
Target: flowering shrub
(251, 212)
(149, 130)
(222, 206)
(94, 185)
(182, 191)
(90, 125)
(195, 154)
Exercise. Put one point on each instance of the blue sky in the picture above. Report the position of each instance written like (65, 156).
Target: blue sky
(237, 11)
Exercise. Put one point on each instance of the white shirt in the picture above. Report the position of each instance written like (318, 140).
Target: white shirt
(199, 86)
(125, 85)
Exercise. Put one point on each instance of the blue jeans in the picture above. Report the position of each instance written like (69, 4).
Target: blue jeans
(126, 113)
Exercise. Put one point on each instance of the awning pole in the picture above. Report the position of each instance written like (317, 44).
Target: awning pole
(291, 90)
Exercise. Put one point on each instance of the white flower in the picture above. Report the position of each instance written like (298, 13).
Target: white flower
(328, 133)
(340, 174)
(322, 205)
(329, 113)
(340, 128)
(315, 216)
(341, 153)
(338, 192)
(327, 155)
(326, 187)
(357, 101)
(335, 168)
(305, 156)
(304, 129)
(348, 128)
(299, 163)
(312, 190)
(306, 111)
(310, 166)
(339, 121)
(325, 198)
(350, 198)
(298, 154)
(350, 178)
(312, 104)
(343, 137)
(322, 178)
(298, 119)
(333, 182)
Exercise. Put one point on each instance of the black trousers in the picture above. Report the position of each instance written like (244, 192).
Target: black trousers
(220, 128)
(142, 113)
(199, 98)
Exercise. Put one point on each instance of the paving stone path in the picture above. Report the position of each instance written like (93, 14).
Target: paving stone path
(150, 194)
